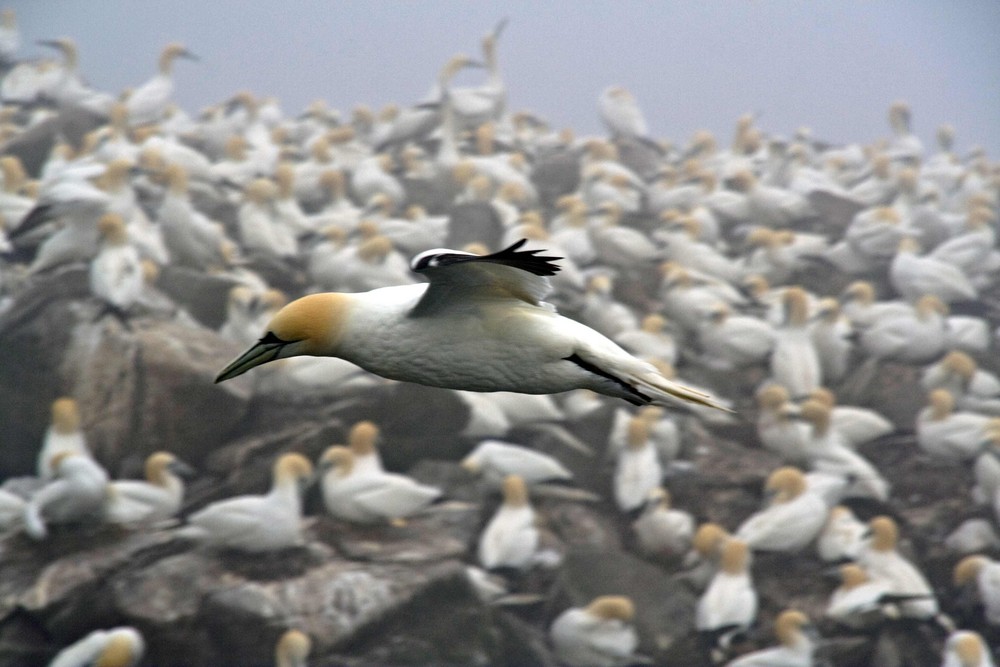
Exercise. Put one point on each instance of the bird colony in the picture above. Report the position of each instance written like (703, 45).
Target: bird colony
(762, 429)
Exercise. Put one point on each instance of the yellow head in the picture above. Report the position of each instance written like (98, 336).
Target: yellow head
(788, 626)
(292, 649)
(787, 482)
(942, 403)
(292, 468)
(885, 533)
(612, 607)
(734, 557)
(772, 397)
(339, 458)
(515, 491)
(312, 325)
(66, 415)
(156, 467)
(111, 226)
(852, 575)
(968, 569)
(362, 437)
(708, 538)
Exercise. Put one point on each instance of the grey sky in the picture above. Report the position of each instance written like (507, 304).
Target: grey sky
(834, 66)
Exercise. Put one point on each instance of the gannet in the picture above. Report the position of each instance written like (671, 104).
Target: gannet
(620, 247)
(948, 434)
(602, 312)
(76, 493)
(474, 106)
(63, 435)
(856, 425)
(116, 276)
(777, 428)
(729, 604)
(827, 452)
(730, 342)
(794, 361)
(495, 460)
(913, 336)
(966, 648)
(842, 537)
(147, 103)
(156, 499)
(651, 340)
(68, 90)
(510, 539)
(974, 389)
(117, 647)
(621, 114)
(914, 276)
(987, 469)
(598, 635)
(191, 237)
(479, 325)
(662, 530)
(794, 631)
(792, 520)
(830, 333)
(257, 523)
(292, 649)
(638, 470)
(362, 440)
(860, 602)
(986, 575)
(10, 36)
(883, 563)
(369, 496)
(261, 230)
(79, 204)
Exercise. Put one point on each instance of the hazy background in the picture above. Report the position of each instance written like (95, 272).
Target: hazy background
(834, 66)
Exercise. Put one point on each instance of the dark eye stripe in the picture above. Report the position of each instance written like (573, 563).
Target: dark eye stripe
(270, 339)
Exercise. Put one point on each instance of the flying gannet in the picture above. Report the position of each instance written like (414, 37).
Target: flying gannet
(480, 324)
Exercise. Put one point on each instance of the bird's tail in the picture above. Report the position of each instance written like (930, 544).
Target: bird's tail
(659, 385)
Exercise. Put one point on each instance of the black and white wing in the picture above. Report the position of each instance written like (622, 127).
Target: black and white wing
(458, 277)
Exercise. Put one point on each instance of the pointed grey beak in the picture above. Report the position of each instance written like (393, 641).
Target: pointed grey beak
(266, 350)
(190, 56)
(498, 30)
(181, 469)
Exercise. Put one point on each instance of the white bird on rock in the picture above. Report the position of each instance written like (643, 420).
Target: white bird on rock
(985, 573)
(117, 647)
(157, 498)
(495, 460)
(148, 102)
(662, 530)
(884, 563)
(511, 537)
(598, 635)
(966, 648)
(792, 628)
(76, 494)
(792, 520)
(63, 435)
(478, 325)
(258, 523)
(369, 496)
(729, 604)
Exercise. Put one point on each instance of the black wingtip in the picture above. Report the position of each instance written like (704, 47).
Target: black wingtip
(526, 260)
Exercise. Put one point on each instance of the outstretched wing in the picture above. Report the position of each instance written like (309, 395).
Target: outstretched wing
(460, 277)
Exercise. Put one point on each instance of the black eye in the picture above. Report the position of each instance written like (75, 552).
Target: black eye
(270, 339)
